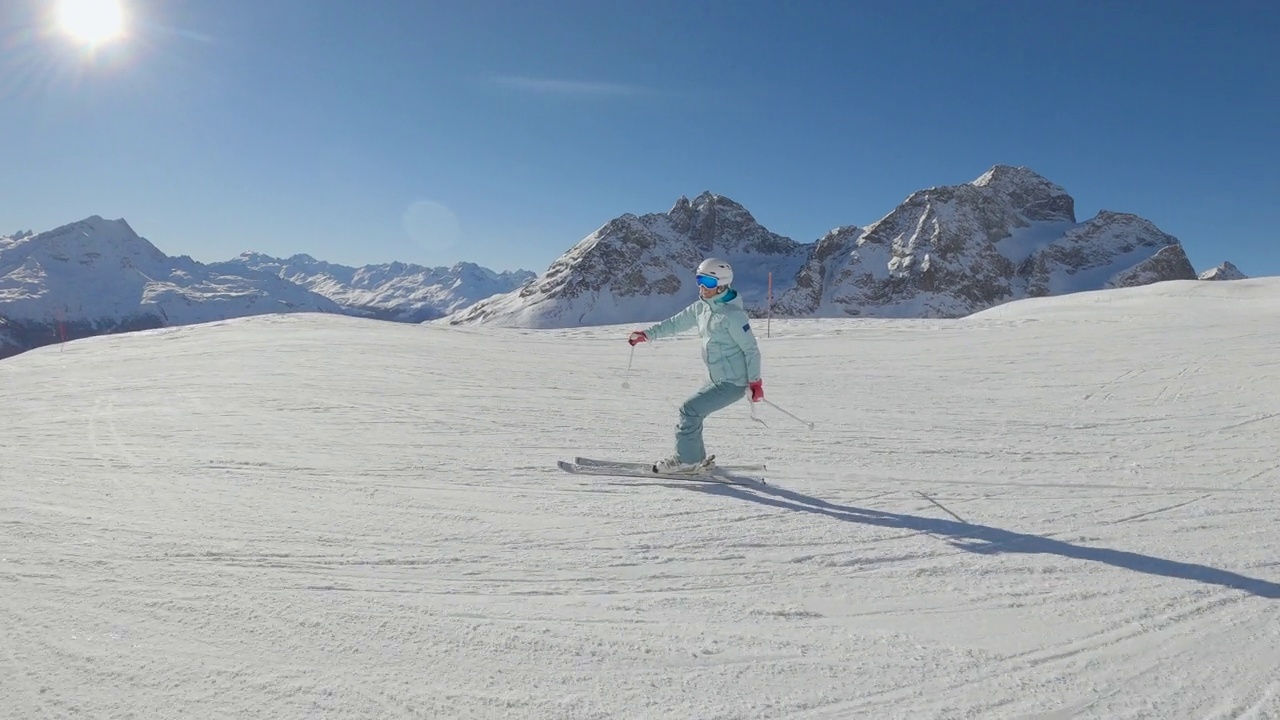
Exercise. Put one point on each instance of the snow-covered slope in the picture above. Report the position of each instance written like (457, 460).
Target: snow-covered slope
(98, 276)
(950, 251)
(1256, 299)
(1062, 508)
(641, 268)
(393, 291)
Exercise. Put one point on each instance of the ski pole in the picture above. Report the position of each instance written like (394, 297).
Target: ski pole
(625, 384)
(784, 412)
(753, 415)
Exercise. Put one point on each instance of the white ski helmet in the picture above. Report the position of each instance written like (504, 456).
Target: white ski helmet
(718, 269)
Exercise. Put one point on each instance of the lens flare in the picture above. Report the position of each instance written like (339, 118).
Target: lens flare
(91, 21)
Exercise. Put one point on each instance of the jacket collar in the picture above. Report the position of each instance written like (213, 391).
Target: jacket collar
(722, 299)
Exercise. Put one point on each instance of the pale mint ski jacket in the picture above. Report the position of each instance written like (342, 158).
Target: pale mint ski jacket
(728, 347)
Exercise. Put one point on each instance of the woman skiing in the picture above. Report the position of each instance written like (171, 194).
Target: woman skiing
(730, 352)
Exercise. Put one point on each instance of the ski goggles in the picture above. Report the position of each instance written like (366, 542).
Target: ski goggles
(708, 282)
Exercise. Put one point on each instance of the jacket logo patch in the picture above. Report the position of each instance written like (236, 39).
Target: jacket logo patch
(746, 328)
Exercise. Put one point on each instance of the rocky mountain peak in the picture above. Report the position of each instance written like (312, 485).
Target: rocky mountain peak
(1028, 192)
(710, 221)
(89, 242)
(1225, 271)
(682, 208)
(470, 269)
(646, 262)
(1006, 176)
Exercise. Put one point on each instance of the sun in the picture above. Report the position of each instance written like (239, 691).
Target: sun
(91, 21)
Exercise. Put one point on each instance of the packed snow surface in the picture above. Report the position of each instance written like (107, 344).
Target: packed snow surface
(1062, 508)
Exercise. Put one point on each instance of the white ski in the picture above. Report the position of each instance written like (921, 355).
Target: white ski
(717, 475)
(593, 462)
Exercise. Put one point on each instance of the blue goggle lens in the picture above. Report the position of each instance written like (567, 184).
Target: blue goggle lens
(708, 282)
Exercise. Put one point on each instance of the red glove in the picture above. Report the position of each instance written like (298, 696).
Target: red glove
(757, 390)
(637, 337)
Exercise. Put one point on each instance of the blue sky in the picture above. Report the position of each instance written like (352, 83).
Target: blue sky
(503, 132)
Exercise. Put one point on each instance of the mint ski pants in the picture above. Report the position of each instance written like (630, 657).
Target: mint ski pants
(710, 398)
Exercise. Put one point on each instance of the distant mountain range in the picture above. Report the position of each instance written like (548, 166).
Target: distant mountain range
(98, 276)
(392, 291)
(943, 252)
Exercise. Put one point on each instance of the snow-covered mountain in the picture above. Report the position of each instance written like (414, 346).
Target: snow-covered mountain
(98, 276)
(954, 250)
(391, 291)
(1225, 271)
(944, 252)
(641, 268)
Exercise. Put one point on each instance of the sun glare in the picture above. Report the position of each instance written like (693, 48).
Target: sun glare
(91, 21)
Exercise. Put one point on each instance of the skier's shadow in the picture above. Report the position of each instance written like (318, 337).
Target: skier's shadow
(990, 540)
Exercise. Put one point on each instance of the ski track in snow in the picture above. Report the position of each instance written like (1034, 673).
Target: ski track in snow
(319, 516)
